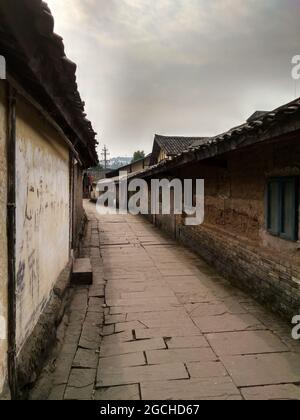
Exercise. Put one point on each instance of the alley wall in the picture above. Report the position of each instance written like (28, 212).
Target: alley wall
(234, 237)
(3, 238)
(78, 211)
(42, 217)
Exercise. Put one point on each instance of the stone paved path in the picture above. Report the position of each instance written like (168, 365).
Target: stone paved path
(173, 328)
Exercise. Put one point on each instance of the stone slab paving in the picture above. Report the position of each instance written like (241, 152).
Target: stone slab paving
(272, 392)
(263, 369)
(215, 388)
(114, 376)
(180, 355)
(118, 393)
(173, 328)
(246, 342)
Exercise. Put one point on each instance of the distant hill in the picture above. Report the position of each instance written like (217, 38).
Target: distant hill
(118, 162)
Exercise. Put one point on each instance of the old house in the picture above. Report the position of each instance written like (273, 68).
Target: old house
(132, 170)
(168, 147)
(251, 227)
(133, 167)
(45, 143)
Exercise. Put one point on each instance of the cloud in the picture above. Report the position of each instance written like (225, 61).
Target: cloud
(185, 67)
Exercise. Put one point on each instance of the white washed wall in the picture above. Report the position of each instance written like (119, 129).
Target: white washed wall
(42, 246)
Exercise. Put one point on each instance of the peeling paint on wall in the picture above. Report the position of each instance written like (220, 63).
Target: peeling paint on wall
(3, 239)
(2, 328)
(42, 217)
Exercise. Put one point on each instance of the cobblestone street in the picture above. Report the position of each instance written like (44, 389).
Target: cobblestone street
(159, 323)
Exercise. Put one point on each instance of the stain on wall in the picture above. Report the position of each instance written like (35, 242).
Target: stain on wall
(42, 217)
(78, 212)
(3, 239)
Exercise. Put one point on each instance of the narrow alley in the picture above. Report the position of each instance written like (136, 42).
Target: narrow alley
(159, 324)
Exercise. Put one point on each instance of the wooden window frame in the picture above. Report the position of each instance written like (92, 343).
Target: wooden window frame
(281, 182)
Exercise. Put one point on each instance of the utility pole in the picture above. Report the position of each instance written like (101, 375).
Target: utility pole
(105, 154)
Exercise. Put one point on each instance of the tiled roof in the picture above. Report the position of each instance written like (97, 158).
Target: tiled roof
(260, 120)
(256, 115)
(36, 59)
(258, 128)
(174, 145)
(200, 142)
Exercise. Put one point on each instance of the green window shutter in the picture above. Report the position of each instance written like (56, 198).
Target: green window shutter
(282, 207)
(289, 226)
(273, 207)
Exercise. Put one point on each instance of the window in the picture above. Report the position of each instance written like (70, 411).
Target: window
(282, 207)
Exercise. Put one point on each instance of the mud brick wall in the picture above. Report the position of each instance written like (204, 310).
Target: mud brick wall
(273, 281)
(233, 237)
(166, 223)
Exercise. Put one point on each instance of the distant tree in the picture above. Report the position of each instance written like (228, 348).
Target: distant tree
(97, 168)
(139, 154)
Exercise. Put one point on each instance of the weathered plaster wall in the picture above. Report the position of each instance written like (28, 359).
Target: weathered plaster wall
(42, 218)
(235, 188)
(78, 212)
(3, 239)
(162, 156)
(137, 166)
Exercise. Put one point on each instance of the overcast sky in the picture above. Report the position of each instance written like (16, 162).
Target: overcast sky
(177, 67)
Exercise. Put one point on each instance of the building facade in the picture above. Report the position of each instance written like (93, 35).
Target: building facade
(45, 144)
(167, 147)
(133, 168)
(251, 227)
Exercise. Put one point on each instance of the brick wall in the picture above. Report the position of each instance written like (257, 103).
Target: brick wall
(269, 277)
(233, 237)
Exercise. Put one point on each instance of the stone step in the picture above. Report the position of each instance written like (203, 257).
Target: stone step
(82, 272)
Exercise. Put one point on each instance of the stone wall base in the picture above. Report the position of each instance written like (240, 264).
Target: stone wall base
(273, 282)
(37, 348)
(5, 395)
(80, 234)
